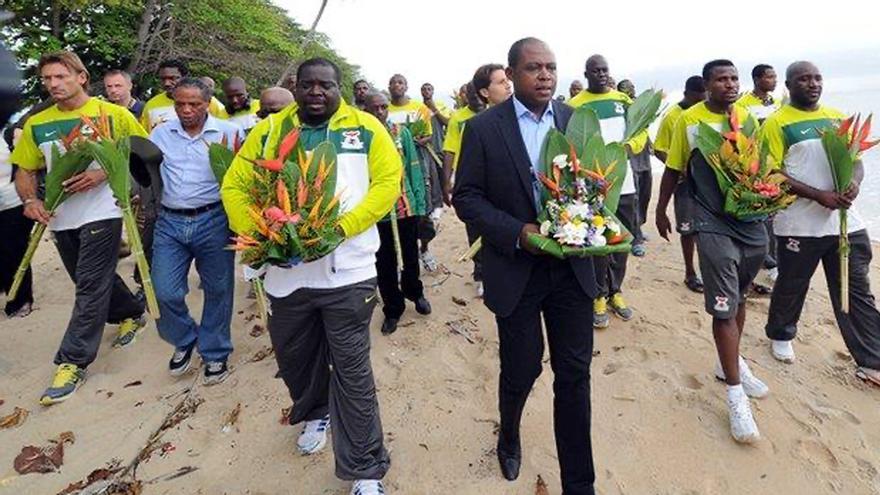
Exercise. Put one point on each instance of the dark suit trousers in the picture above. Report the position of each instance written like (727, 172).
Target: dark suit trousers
(554, 292)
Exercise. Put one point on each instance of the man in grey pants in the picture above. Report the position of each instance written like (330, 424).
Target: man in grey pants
(320, 311)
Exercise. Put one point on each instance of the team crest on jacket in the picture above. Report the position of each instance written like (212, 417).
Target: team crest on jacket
(721, 303)
(351, 140)
(793, 245)
(619, 108)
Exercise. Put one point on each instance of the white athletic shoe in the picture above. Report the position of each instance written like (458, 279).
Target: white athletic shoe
(742, 423)
(368, 487)
(753, 387)
(773, 274)
(314, 436)
(782, 350)
(429, 262)
(480, 289)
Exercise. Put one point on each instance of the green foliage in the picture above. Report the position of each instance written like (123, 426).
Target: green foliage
(644, 110)
(253, 39)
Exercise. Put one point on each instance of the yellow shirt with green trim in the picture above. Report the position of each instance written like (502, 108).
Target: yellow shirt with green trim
(685, 132)
(442, 109)
(663, 140)
(245, 118)
(34, 151)
(454, 132)
(367, 178)
(794, 140)
(160, 109)
(412, 112)
(611, 109)
(757, 107)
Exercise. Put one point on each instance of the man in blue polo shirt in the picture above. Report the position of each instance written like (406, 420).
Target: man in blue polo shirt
(192, 225)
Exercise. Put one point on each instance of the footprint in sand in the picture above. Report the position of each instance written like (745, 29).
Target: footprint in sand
(816, 453)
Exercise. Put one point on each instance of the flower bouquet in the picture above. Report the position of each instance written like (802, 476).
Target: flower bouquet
(73, 161)
(576, 219)
(113, 156)
(843, 145)
(290, 230)
(752, 186)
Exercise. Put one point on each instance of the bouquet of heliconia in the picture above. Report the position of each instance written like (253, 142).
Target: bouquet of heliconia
(64, 166)
(752, 186)
(298, 227)
(843, 145)
(113, 156)
(221, 156)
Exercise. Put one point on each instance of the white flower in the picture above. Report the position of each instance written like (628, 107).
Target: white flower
(597, 239)
(545, 227)
(572, 234)
(612, 226)
(580, 210)
(561, 161)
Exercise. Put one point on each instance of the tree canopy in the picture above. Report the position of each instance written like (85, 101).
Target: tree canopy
(253, 39)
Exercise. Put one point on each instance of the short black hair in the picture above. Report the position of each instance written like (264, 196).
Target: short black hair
(360, 81)
(194, 82)
(720, 62)
(516, 49)
(173, 63)
(759, 70)
(695, 84)
(319, 62)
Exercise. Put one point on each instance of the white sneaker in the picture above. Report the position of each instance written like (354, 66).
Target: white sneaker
(368, 487)
(753, 387)
(314, 436)
(782, 350)
(773, 274)
(742, 423)
(480, 289)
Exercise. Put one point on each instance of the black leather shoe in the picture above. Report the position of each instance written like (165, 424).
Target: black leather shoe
(389, 326)
(423, 307)
(509, 463)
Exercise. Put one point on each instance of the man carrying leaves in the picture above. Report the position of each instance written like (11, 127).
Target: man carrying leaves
(87, 227)
(321, 310)
(731, 250)
(807, 232)
(193, 226)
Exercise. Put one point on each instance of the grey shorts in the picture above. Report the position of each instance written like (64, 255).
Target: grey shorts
(728, 268)
(685, 206)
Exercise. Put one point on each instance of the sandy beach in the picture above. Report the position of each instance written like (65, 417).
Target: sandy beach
(659, 418)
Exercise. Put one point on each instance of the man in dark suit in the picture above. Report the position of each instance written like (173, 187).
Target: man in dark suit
(497, 194)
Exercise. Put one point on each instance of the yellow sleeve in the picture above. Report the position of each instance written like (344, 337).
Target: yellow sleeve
(664, 133)
(637, 143)
(217, 109)
(771, 135)
(27, 154)
(236, 183)
(680, 149)
(145, 116)
(452, 141)
(128, 125)
(426, 116)
(385, 167)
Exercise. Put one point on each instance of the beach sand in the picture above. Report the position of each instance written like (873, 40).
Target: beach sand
(659, 417)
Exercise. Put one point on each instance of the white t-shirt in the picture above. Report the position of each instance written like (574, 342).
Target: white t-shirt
(8, 197)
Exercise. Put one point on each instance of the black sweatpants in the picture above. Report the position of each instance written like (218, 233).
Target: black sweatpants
(321, 339)
(554, 293)
(644, 189)
(611, 269)
(798, 259)
(393, 289)
(90, 254)
(15, 229)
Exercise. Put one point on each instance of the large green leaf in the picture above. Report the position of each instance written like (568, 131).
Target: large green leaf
(113, 157)
(840, 159)
(614, 153)
(582, 126)
(555, 144)
(642, 112)
(220, 157)
(64, 166)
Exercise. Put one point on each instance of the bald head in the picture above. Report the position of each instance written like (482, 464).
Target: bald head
(209, 82)
(397, 87)
(273, 99)
(376, 103)
(596, 72)
(804, 83)
(234, 81)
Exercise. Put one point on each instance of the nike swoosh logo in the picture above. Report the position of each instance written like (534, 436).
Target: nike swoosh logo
(369, 299)
(806, 131)
(93, 232)
(50, 134)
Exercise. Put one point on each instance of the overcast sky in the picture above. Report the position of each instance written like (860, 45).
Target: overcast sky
(436, 41)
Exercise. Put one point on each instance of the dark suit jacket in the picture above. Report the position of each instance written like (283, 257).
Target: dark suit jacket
(494, 194)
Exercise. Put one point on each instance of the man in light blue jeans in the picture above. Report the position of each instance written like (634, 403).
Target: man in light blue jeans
(192, 225)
